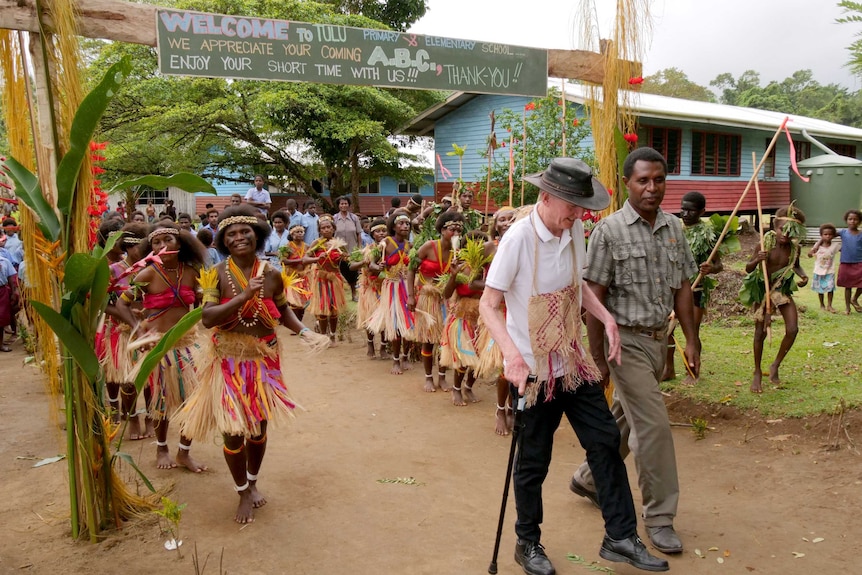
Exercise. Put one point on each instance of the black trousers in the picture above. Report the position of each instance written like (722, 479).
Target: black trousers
(588, 414)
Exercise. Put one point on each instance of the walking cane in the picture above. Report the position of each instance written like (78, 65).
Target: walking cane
(516, 433)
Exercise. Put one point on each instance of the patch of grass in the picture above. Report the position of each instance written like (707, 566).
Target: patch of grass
(815, 377)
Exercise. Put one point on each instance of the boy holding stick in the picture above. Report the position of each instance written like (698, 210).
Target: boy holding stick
(778, 255)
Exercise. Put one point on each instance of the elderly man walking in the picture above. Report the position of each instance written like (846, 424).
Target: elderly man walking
(537, 270)
(638, 266)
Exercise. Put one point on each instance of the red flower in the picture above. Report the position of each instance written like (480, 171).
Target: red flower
(97, 158)
(97, 170)
(530, 107)
(503, 145)
(610, 191)
(630, 138)
(636, 80)
(98, 145)
(575, 122)
(587, 216)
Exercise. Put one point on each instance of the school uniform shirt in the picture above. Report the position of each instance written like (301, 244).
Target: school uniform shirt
(311, 231)
(273, 243)
(256, 195)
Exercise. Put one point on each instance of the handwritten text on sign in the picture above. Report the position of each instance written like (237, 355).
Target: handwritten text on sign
(212, 45)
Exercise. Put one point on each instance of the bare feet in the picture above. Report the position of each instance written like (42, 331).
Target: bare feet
(441, 382)
(135, 428)
(185, 459)
(856, 306)
(149, 430)
(830, 309)
(773, 375)
(429, 386)
(163, 458)
(396, 368)
(689, 381)
(755, 382)
(501, 422)
(468, 394)
(456, 397)
(370, 352)
(245, 509)
(257, 498)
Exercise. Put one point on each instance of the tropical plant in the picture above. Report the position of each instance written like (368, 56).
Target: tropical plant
(538, 139)
(98, 496)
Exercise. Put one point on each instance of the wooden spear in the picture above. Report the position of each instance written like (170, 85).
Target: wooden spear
(524, 156)
(760, 230)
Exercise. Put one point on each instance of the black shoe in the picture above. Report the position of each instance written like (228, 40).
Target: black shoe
(665, 539)
(633, 552)
(579, 489)
(531, 556)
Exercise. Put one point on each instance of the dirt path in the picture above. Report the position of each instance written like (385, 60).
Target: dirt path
(329, 513)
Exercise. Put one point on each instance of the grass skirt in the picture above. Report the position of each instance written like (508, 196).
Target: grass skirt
(459, 341)
(430, 316)
(174, 379)
(327, 293)
(369, 296)
(112, 349)
(299, 294)
(490, 356)
(392, 318)
(241, 384)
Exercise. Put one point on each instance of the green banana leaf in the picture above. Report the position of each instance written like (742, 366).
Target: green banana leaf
(169, 340)
(83, 126)
(128, 459)
(185, 181)
(110, 242)
(99, 293)
(29, 190)
(80, 349)
(78, 276)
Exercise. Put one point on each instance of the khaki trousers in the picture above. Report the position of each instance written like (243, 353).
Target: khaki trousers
(641, 416)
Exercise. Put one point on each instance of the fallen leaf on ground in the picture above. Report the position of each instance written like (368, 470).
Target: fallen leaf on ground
(48, 460)
(782, 437)
(817, 540)
(720, 559)
(713, 549)
(771, 421)
(727, 552)
(699, 554)
(798, 555)
(831, 343)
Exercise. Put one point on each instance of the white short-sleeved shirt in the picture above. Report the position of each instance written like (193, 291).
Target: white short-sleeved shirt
(256, 195)
(511, 272)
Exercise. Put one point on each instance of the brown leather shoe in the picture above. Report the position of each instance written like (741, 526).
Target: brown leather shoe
(665, 539)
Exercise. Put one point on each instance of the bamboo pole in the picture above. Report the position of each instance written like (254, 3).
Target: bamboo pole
(511, 166)
(563, 118)
(741, 198)
(760, 231)
(524, 156)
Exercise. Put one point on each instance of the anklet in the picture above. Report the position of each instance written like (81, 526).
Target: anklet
(233, 451)
(257, 440)
(240, 488)
(426, 354)
(441, 373)
(251, 476)
(184, 447)
(458, 389)
(115, 398)
(396, 358)
(500, 407)
(161, 443)
(370, 339)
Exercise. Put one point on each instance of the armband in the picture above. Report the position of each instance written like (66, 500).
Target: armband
(280, 300)
(211, 295)
(128, 296)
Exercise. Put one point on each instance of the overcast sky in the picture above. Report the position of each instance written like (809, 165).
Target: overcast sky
(703, 38)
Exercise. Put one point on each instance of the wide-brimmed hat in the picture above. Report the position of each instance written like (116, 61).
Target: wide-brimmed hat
(572, 180)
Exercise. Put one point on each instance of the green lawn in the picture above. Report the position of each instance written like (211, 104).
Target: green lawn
(821, 369)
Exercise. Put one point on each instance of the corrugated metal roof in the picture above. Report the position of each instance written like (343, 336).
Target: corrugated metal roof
(661, 107)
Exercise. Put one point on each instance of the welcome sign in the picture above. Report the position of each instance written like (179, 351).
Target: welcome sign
(220, 46)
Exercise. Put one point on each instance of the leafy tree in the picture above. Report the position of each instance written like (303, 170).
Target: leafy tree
(298, 133)
(397, 14)
(853, 15)
(543, 144)
(731, 88)
(675, 83)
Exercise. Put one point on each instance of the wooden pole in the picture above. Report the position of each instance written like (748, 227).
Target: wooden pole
(524, 156)
(760, 231)
(511, 167)
(563, 118)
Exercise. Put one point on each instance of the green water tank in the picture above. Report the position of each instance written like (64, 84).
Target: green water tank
(834, 186)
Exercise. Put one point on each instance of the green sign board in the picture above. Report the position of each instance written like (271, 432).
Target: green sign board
(217, 46)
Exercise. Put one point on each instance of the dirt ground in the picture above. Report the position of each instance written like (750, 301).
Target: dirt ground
(757, 497)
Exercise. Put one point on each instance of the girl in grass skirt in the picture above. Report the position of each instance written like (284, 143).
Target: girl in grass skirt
(296, 270)
(327, 283)
(112, 343)
(463, 289)
(432, 261)
(241, 387)
(370, 281)
(392, 317)
(167, 287)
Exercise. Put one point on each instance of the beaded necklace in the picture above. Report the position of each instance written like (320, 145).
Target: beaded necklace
(255, 306)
